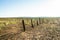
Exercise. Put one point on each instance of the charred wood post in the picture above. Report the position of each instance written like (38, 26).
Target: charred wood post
(32, 24)
(37, 23)
(23, 25)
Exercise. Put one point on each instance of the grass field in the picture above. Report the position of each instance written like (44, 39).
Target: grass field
(29, 28)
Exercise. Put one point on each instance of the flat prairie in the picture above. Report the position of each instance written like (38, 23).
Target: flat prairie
(29, 28)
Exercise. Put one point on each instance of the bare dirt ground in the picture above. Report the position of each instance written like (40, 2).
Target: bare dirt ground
(40, 32)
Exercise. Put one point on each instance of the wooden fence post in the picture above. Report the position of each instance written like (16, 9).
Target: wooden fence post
(23, 25)
(32, 24)
(37, 22)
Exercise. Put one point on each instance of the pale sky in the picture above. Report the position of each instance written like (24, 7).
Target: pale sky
(29, 8)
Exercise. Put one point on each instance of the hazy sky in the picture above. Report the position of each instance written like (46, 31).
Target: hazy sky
(27, 8)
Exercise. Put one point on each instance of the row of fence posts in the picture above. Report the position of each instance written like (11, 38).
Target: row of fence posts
(23, 23)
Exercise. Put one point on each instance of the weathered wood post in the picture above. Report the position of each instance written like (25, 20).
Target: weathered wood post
(39, 20)
(23, 25)
(32, 24)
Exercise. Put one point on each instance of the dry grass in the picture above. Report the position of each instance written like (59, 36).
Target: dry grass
(44, 31)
